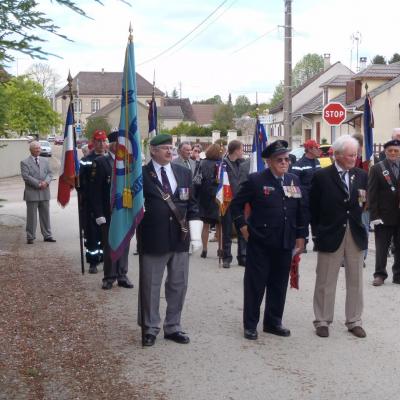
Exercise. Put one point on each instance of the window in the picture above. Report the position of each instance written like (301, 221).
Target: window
(95, 105)
(78, 105)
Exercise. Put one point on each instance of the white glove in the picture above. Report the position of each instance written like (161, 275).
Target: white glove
(376, 222)
(195, 228)
(100, 221)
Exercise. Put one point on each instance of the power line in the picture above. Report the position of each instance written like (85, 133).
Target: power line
(182, 39)
(255, 40)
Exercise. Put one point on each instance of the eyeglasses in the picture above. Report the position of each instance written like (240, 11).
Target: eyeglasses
(389, 150)
(165, 148)
(282, 159)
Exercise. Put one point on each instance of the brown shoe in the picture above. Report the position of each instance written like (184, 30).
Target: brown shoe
(358, 331)
(322, 331)
(378, 281)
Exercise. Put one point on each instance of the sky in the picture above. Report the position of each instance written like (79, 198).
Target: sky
(238, 50)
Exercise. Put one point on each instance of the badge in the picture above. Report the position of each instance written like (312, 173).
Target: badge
(183, 194)
(292, 191)
(362, 197)
(267, 190)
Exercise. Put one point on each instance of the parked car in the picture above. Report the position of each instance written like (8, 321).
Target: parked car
(51, 138)
(59, 140)
(45, 148)
(324, 158)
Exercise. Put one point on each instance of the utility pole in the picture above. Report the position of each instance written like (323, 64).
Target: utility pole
(356, 37)
(287, 85)
(180, 90)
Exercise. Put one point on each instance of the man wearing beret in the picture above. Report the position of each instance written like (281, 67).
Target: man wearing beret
(163, 241)
(384, 208)
(274, 232)
(92, 232)
(100, 188)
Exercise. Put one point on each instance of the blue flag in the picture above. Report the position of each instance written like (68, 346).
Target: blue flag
(260, 141)
(152, 117)
(127, 183)
(368, 132)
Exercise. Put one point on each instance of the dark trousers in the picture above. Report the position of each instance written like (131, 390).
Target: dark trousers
(93, 243)
(383, 238)
(266, 268)
(226, 222)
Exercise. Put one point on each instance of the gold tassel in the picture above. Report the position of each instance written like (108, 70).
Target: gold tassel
(127, 198)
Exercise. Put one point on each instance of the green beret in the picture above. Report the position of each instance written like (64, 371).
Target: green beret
(161, 138)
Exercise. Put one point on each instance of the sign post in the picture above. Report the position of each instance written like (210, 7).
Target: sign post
(334, 114)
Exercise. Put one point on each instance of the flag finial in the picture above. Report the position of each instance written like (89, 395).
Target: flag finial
(69, 79)
(130, 37)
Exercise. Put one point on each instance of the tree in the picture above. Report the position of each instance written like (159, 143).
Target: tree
(212, 100)
(223, 118)
(277, 97)
(306, 68)
(174, 94)
(378, 59)
(242, 105)
(96, 123)
(27, 110)
(20, 22)
(395, 58)
(45, 76)
(185, 129)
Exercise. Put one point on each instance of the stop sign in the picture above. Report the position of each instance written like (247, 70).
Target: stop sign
(334, 113)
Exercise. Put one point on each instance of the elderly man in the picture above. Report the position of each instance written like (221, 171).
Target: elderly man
(383, 204)
(337, 199)
(36, 173)
(163, 241)
(395, 136)
(184, 159)
(274, 232)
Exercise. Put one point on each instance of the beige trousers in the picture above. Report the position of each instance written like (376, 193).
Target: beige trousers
(328, 267)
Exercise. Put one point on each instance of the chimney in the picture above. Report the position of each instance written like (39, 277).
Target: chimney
(327, 61)
(363, 63)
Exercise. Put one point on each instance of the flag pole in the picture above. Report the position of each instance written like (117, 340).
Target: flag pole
(77, 184)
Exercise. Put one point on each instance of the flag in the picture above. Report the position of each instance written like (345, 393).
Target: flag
(127, 183)
(152, 117)
(368, 149)
(224, 191)
(69, 169)
(259, 144)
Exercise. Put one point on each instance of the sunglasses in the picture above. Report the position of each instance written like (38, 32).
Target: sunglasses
(282, 159)
(165, 148)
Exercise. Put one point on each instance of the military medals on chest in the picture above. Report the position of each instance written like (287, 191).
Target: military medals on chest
(292, 191)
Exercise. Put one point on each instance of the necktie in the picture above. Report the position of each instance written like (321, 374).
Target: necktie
(37, 161)
(343, 177)
(187, 163)
(395, 169)
(165, 182)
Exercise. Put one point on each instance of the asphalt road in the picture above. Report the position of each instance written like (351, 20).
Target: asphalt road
(219, 363)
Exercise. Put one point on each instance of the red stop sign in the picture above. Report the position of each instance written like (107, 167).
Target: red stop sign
(334, 113)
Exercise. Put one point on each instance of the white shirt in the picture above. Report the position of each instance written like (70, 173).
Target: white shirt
(170, 174)
(340, 170)
(34, 159)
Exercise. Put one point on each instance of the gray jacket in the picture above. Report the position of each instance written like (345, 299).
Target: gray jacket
(180, 161)
(32, 175)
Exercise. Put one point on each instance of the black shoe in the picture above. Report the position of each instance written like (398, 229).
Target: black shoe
(107, 285)
(126, 284)
(178, 337)
(251, 334)
(396, 281)
(226, 264)
(277, 330)
(149, 340)
(29, 241)
(304, 251)
(93, 269)
(242, 262)
(50, 239)
(203, 254)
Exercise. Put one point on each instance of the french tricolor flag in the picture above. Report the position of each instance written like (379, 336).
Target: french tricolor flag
(224, 191)
(69, 169)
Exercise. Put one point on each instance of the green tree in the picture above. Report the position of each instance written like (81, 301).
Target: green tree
(94, 124)
(242, 105)
(27, 110)
(185, 129)
(223, 118)
(212, 100)
(395, 58)
(277, 97)
(175, 94)
(310, 65)
(378, 59)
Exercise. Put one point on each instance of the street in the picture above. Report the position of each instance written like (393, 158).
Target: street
(219, 363)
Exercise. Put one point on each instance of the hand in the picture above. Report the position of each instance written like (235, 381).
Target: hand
(299, 246)
(100, 221)
(245, 232)
(376, 222)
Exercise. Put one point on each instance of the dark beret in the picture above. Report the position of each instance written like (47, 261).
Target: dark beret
(112, 136)
(277, 147)
(161, 138)
(393, 142)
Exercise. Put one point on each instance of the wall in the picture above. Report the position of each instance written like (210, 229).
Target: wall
(12, 151)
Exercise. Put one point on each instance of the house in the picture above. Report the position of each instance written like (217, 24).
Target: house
(169, 117)
(204, 113)
(98, 94)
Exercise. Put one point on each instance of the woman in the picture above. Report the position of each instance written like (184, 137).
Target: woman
(208, 207)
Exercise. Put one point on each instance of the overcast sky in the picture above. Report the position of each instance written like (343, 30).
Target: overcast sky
(212, 60)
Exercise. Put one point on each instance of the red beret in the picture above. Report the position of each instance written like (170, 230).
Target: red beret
(309, 144)
(99, 135)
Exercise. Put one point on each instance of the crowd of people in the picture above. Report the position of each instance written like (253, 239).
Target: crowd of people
(271, 214)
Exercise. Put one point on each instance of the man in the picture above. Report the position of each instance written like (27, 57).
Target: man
(163, 241)
(274, 232)
(383, 204)
(183, 159)
(92, 232)
(337, 199)
(233, 160)
(305, 168)
(100, 188)
(395, 136)
(36, 173)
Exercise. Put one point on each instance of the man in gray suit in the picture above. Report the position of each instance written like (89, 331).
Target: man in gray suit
(36, 173)
(184, 159)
